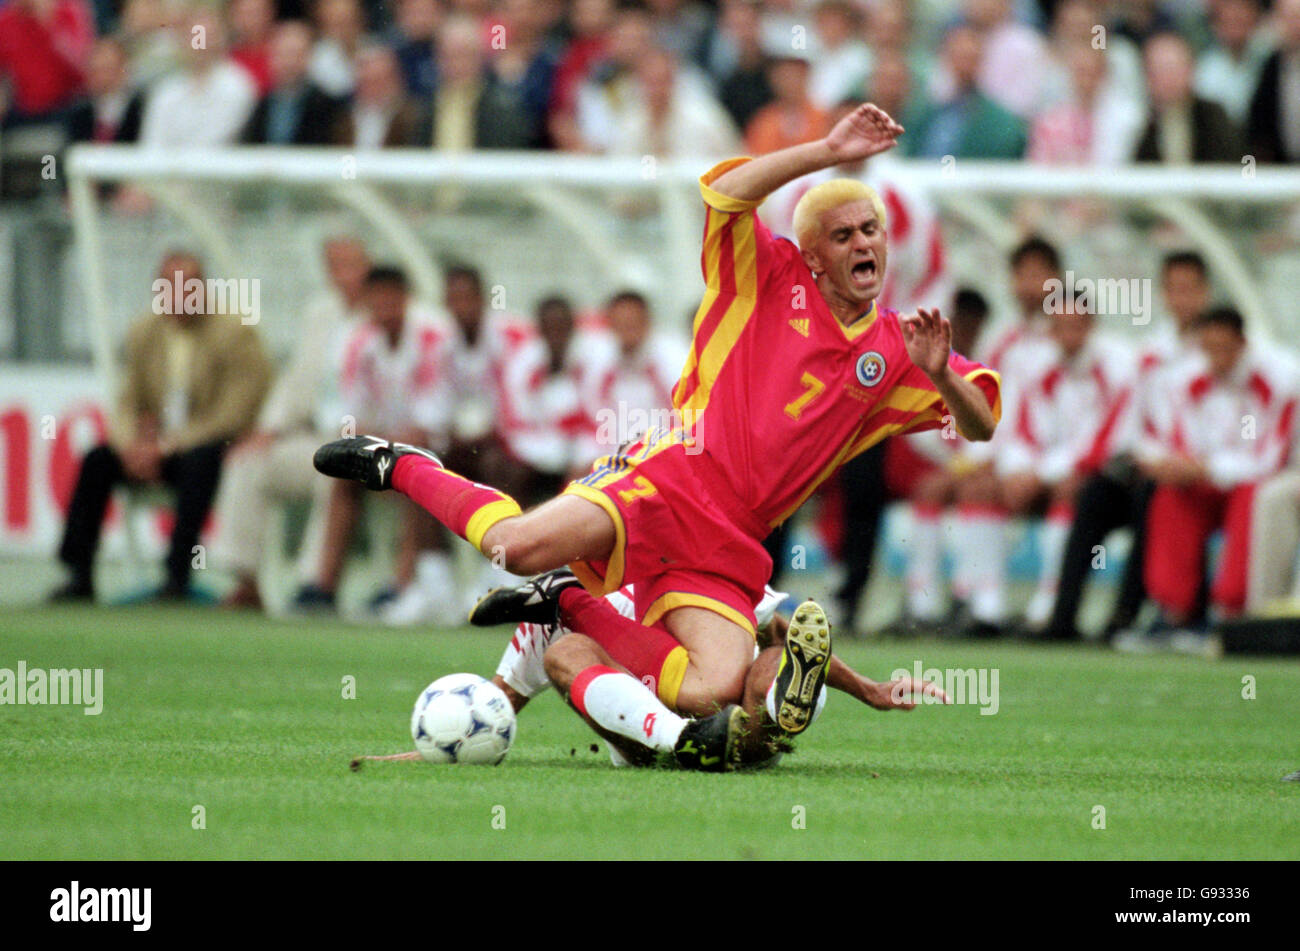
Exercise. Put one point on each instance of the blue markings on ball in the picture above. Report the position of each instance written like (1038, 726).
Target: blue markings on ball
(451, 749)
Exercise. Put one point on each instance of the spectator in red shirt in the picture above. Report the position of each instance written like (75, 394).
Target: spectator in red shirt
(251, 23)
(44, 49)
(592, 20)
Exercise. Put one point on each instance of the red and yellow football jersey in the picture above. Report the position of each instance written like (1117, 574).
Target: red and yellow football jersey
(776, 390)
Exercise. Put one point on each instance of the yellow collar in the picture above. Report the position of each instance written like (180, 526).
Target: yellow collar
(859, 326)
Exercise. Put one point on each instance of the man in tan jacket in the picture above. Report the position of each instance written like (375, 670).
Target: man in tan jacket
(192, 383)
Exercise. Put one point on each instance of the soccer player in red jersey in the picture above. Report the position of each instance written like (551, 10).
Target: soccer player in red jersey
(793, 370)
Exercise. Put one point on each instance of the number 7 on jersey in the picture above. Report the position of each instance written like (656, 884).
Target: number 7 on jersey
(812, 389)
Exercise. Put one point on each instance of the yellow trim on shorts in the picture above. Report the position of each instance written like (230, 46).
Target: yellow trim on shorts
(593, 582)
(614, 572)
(671, 676)
(486, 517)
(685, 599)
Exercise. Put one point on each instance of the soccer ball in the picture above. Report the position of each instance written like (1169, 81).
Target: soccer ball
(462, 718)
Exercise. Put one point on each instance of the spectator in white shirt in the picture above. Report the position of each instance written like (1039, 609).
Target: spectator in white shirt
(1020, 352)
(552, 437)
(632, 387)
(840, 69)
(340, 26)
(1080, 22)
(1013, 67)
(671, 117)
(1117, 496)
(1097, 125)
(208, 102)
(491, 359)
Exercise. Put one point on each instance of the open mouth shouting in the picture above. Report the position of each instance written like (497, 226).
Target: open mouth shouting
(863, 273)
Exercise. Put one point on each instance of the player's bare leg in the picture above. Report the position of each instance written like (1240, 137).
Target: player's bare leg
(719, 653)
(517, 700)
(559, 531)
(762, 738)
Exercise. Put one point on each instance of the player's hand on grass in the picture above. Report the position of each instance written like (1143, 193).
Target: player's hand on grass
(901, 694)
(928, 338)
(866, 131)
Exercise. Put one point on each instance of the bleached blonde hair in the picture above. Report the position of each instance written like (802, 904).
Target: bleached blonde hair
(822, 198)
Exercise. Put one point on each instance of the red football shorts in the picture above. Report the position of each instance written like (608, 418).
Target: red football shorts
(682, 536)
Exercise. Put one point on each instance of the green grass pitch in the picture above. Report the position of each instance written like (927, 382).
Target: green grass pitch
(246, 717)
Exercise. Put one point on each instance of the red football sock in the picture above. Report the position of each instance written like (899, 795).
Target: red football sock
(467, 508)
(646, 652)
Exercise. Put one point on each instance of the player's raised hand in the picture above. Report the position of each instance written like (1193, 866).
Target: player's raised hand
(866, 131)
(928, 338)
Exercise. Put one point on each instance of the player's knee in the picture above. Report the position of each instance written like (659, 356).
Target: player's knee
(558, 662)
(521, 551)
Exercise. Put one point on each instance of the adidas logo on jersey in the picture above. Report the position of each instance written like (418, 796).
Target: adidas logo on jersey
(801, 325)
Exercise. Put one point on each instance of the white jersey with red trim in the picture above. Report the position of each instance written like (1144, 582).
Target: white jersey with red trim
(1069, 415)
(1242, 428)
(388, 388)
(1161, 363)
(554, 427)
(1020, 352)
(917, 273)
(627, 394)
(483, 403)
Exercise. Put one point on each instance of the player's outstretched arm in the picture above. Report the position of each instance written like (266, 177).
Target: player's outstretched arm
(891, 695)
(928, 338)
(866, 131)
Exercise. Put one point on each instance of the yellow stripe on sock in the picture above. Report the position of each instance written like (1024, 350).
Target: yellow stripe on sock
(486, 517)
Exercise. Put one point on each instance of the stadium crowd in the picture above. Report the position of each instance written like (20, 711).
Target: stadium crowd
(1054, 81)
(1177, 434)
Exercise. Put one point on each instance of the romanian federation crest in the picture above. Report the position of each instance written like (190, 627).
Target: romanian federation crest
(870, 368)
